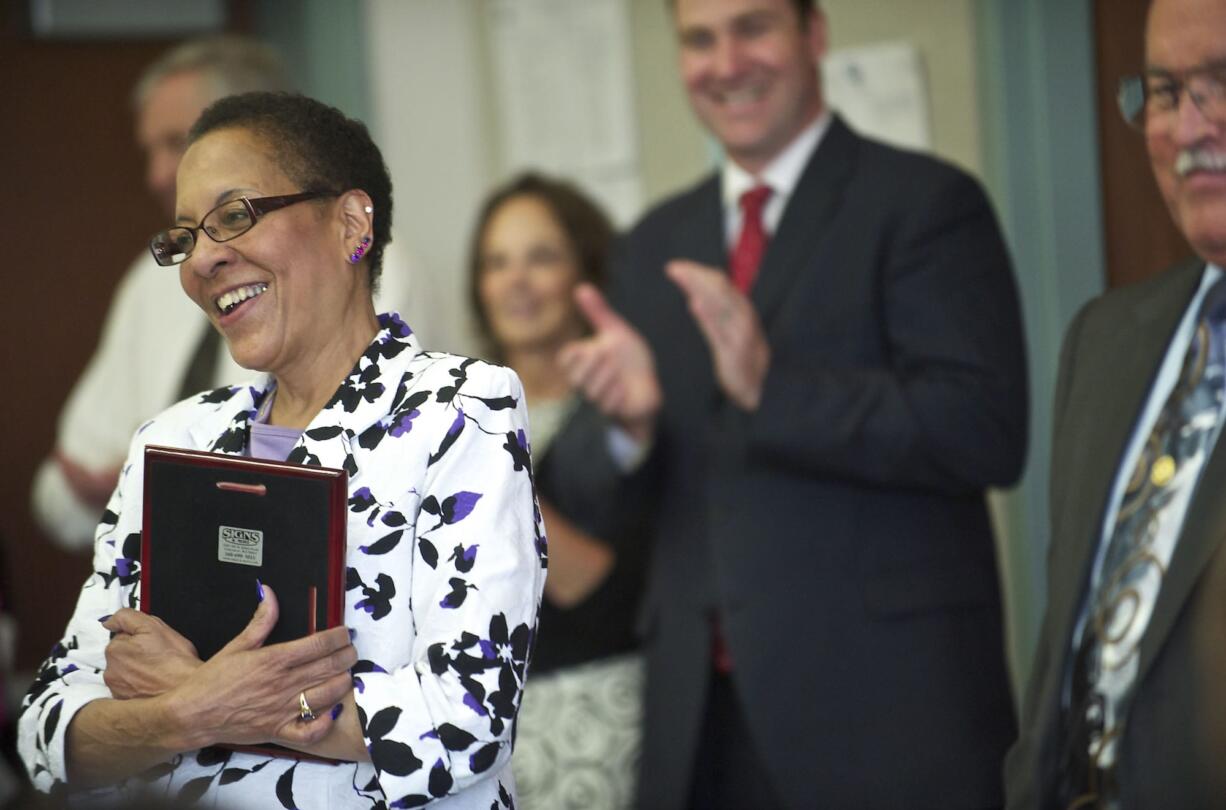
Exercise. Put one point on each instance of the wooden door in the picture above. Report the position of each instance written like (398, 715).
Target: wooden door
(74, 213)
(1140, 238)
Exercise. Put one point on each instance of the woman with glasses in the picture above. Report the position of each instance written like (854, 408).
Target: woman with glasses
(578, 738)
(283, 210)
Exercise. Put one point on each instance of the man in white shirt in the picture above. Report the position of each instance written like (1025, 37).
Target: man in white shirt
(818, 350)
(1126, 706)
(155, 346)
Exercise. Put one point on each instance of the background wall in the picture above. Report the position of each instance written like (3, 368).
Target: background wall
(675, 150)
(432, 108)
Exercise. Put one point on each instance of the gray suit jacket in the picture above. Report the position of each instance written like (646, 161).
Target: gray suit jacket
(1175, 735)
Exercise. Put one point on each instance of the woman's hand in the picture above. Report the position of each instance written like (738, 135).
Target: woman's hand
(248, 693)
(245, 694)
(145, 657)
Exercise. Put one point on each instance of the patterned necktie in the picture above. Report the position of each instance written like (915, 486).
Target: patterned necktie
(751, 244)
(1121, 599)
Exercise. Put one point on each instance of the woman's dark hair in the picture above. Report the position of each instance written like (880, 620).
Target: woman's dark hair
(316, 146)
(585, 224)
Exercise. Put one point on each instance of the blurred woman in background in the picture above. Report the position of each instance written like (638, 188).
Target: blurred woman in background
(535, 241)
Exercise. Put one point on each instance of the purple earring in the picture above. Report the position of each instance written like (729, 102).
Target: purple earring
(359, 251)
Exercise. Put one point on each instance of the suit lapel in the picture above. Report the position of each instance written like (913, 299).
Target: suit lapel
(1102, 429)
(813, 204)
(1199, 538)
(698, 235)
(694, 236)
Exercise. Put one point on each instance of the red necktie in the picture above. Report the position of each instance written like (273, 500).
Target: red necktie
(751, 244)
(746, 257)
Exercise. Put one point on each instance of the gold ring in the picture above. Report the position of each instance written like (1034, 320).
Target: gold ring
(304, 709)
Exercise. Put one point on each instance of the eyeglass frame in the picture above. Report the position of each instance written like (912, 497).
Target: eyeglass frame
(256, 207)
(1130, 87)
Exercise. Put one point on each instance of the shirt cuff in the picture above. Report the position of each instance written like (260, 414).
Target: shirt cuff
(628, 453)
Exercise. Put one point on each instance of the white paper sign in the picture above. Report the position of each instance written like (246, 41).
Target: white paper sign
(564, 88)
(882, 91)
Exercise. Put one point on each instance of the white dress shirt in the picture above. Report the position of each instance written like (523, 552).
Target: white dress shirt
(781, 175)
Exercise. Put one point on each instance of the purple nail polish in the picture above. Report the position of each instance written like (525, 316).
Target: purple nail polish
(259, 590)
(102, 619)
(336, 710)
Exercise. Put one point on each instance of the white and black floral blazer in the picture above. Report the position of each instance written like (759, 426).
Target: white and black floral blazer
(445, 568)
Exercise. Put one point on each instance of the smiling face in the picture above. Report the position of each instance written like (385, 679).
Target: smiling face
(750, 68)
(528, 272)
(282, 293)
(1187, 151)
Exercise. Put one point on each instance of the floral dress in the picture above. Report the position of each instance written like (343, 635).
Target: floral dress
(445, 566)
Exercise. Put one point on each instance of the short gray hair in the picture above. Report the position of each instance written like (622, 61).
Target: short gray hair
(228, 63)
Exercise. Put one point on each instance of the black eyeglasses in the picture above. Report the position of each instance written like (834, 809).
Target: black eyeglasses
(1153, 98)
(227, 221)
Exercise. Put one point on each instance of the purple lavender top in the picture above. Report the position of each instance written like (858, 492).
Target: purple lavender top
(271, 442)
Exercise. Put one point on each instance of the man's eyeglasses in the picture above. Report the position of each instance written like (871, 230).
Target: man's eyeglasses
(1153, 98)
(225, 222)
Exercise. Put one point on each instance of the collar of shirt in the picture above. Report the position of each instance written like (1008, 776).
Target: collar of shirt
(781, 174)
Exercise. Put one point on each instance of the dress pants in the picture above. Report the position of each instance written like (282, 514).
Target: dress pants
(728, 771)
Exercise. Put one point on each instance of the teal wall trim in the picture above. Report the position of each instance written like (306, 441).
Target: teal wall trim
(324, 44)
(1041, 167)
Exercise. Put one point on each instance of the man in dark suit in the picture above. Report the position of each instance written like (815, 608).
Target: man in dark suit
(823, 618)
(1126, 707)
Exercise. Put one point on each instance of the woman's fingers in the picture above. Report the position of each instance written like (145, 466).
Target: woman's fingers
(261, 624)
(245, 693)
(145, 657)
(328, 651)
(126, 620)
(307, 665)
(150, 629)
(322, 699)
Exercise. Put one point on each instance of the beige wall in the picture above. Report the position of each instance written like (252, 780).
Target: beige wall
(944, 32)
(433, 108)
(673, 149)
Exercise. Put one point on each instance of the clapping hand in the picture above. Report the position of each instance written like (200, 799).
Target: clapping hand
(731, 327)
(613, 368)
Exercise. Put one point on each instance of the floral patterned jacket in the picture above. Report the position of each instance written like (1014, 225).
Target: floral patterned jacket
(445, 565)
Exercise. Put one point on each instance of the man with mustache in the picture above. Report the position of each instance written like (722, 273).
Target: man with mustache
(819, 349)
(1126, 707)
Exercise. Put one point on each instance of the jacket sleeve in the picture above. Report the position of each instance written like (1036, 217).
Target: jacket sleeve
(948, 411)
(445, 721)
(71, 676)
